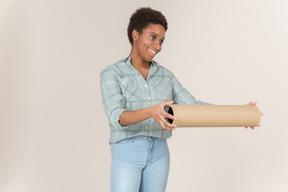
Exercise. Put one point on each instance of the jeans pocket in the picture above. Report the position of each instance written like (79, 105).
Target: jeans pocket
(121, 148)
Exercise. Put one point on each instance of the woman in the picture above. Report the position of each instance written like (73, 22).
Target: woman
(135, 91)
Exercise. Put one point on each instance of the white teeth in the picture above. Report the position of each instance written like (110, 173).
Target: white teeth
(154, 52)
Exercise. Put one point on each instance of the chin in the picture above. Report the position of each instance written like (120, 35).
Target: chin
(149, 59)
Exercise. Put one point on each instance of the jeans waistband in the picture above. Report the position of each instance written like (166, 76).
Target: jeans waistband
(145, 138)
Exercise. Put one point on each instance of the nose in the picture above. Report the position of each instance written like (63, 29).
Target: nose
(157, 46)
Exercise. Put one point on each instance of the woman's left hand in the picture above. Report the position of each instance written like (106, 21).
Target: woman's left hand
(254, 103)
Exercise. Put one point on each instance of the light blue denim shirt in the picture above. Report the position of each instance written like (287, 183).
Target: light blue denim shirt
(124, 88)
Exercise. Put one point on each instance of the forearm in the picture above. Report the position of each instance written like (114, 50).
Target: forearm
(132, 117)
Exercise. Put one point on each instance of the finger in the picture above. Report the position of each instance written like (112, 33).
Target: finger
(169, 128)
(168, 102)
(167, 124)
(162, 125)
(258, 125)
(262, 114)
(252, 103)
(167, 115)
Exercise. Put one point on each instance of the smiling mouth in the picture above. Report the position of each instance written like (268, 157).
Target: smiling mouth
(154, 52)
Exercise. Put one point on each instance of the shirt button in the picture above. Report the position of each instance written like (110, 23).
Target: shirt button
(146, 127)
(145, 85)
(149, 98)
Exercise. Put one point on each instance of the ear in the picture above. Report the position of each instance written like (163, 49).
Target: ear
(135, 34)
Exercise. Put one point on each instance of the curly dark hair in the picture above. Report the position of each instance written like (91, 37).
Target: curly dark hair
(142, 18)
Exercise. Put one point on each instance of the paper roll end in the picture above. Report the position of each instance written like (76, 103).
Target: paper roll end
(168, 109)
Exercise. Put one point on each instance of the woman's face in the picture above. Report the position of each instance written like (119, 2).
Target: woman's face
(149, 42)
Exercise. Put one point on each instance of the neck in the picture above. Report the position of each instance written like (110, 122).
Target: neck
(137, 61)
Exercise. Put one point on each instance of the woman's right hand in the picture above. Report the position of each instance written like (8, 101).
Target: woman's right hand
(158, 113)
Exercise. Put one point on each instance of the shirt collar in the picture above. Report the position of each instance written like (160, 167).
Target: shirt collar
(128, 59)
(152, 70)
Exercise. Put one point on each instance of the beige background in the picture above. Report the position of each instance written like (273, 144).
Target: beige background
(54, 134)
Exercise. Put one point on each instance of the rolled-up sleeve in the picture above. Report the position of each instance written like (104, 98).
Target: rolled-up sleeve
(113, 100)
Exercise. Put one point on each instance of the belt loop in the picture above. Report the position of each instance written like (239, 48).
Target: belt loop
(133, 139)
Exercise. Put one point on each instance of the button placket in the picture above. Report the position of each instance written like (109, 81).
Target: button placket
(148, 97)
(148, 92)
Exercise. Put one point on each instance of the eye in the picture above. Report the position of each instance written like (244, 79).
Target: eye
(161, 42)
(153, 37)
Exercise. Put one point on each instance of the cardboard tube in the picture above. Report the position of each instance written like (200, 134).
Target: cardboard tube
(214, 115)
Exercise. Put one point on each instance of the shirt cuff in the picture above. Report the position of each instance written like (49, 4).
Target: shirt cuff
(116, 118)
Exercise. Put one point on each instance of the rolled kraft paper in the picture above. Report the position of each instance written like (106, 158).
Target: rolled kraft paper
(214, 115)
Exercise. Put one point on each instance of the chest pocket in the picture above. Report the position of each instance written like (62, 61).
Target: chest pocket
(163, 90)
(130, 89)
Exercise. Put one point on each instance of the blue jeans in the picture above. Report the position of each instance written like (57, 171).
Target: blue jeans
(139, 164)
